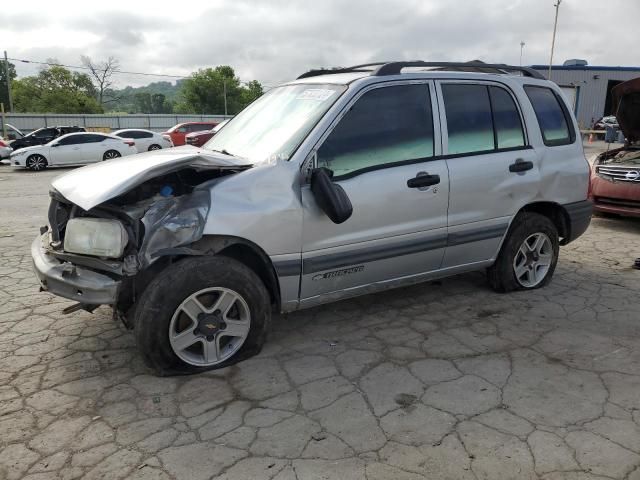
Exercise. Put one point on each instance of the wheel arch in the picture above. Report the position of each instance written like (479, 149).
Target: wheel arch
(554, 212)
(240, 249)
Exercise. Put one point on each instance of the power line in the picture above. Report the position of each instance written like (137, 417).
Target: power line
(51, 64)
(87, 68)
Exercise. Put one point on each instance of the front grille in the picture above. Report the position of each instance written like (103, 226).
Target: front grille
(617, 202)
(621, 174)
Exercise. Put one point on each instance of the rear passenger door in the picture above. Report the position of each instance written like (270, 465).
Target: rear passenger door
(493, 170)
(385, 138)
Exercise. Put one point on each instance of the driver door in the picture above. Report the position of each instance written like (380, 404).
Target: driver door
(67, 150)
(398, 228)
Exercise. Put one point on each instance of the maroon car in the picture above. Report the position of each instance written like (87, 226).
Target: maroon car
(197, 139)
(615, 175)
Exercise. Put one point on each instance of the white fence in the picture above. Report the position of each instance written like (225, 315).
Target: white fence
(28, 122)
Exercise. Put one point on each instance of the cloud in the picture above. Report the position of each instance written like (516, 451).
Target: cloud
(274, 41)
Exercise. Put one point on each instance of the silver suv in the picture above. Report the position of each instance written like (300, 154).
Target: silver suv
(340, 183)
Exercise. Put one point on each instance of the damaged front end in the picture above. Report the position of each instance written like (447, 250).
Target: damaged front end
(159, 219)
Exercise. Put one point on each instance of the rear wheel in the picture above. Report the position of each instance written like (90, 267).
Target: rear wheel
(201, 314)
(36, 162)
(154, 147)
(109, 154)
(528, 256)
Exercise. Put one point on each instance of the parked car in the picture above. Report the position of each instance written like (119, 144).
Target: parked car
(5, 149)
(615, 177)
(43, 136)
(198, 139)
(12, 132)
(178, 132)
(72, 149)
(145, 139)
(362, 179)
(603, 122)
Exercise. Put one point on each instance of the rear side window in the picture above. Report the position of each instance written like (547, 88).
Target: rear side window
(469, 122)
(385, 126)
(481, 118)
(552, 116)
(506, 119)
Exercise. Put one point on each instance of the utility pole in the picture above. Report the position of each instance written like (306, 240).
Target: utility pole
(224, 86)
(521, 48)
(6, 75)
(553, 39)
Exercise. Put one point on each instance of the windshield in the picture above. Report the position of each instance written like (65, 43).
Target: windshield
(273, 126)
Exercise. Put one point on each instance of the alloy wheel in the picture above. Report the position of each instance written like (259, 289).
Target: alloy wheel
(209, 326)
(533, 260)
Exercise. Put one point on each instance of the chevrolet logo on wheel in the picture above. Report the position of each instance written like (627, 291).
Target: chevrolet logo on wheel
(211, 326)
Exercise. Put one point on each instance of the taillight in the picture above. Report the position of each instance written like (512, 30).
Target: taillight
(2, 144)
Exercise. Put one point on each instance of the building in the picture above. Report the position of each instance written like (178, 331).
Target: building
(588, 87)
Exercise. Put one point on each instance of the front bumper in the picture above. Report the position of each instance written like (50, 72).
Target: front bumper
(70, 281)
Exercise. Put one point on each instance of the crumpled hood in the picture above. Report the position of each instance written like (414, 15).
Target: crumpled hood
(94, 184)
(626, 101)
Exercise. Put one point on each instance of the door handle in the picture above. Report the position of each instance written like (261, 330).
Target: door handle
(520, 166)
(422, 180)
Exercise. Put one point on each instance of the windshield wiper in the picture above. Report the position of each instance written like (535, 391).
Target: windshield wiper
(225, 152)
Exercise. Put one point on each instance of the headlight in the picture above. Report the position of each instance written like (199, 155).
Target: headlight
(99, 237)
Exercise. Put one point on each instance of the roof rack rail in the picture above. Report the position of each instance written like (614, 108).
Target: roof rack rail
(395, 68)
(331, 71)
(379, 69)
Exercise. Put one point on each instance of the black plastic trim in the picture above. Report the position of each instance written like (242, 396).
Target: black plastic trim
(365, 255)
(288, 268)
(579, 214)
(477, 235)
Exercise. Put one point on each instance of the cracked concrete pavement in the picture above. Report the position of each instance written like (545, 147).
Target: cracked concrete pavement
(446, 380)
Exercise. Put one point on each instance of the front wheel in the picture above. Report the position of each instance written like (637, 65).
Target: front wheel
(36, 162)
(528, 256)
(200, 314)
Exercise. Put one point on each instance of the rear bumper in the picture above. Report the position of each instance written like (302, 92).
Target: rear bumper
(5, 152)
(579, 214)
(69, 281)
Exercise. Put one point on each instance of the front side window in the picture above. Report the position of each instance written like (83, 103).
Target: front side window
(273, 126)
(385, 126)
(71, 140)
(552, 116)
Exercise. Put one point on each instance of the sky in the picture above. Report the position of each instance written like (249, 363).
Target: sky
(275, 41)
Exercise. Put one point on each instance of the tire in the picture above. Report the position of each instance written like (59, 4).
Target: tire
(36, 162)
(513, 270)
(109, 154)
(154, 147)
(161, 314)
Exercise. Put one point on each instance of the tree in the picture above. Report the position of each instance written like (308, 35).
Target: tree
(151, 103)
(101, 74)
(57, 90)
(205, 91)
(4, 93)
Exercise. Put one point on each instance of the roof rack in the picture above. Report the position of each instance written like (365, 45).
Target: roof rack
(380, 69)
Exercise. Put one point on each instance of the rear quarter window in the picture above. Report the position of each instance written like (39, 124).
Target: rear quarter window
(553, 116)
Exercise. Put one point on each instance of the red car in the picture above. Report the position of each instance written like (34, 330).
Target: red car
(197, 139)
(615, 175)
(178, 132)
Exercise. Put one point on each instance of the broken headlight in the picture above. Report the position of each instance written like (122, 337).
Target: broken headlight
(99, 237)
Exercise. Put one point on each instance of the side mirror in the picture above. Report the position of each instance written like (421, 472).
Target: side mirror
(331, 197)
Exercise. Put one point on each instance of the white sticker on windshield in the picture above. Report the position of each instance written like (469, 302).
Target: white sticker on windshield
(317, 94)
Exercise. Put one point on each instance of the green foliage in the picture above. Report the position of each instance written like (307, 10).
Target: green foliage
(4, 94)
(204, 92)
(125, 99)
(55, 90)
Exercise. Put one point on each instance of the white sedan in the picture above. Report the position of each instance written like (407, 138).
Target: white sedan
(145, 139)
(73, 149)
